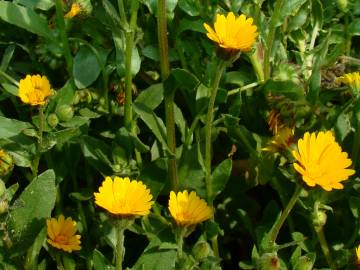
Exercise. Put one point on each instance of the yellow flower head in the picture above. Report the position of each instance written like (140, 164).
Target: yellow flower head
(321, 161)
(75, 10)
(231, 33)
(282, 140)
(188, 209)
(61, 233)
(34, 90)
(351, 79)
(124, 197)
(357, 250)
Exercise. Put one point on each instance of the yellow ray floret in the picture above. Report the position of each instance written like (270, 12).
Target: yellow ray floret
(357, 250)
(188, 209)
(233, 33)
(124, 197)
(351, 79)
(61, 233)
(320, 161)
(74, 10)
(34, 90)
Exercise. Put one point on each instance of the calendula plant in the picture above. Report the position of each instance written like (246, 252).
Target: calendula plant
(185, 134)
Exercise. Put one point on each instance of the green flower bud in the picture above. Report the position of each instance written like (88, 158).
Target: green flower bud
(268, 261)
(319, 218)
(2, 188)
(4, 206)
(6, 163)
(86, 7)
(303, 263)
(342, 5)
(201, 250)
(65, 113)
(52, 120)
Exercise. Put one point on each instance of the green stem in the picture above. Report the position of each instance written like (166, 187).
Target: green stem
(347, 36)
(324, 246)
(63, 36)
(180, 233)
(278, 224)
(9, 78)
(257, 65)
(270, 37)
(169, 98)
(120, 250)
(122, 13)
(129, 36)
(208, 130)
(59, 264)
(40, 142)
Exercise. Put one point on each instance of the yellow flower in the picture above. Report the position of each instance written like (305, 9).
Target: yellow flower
(124, 197)
(234, 34)
(188, 209)
(62, 235)
(282, 140)
(351, 79)
(321, 161)
(6, 163)
(75, 10)
(34, 90)
(357, 250)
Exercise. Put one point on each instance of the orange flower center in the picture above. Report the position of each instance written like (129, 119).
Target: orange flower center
(61, 239)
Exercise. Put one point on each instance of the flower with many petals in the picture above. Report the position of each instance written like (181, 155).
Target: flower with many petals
(351, 79)
(35, 90)
(61, 233)
(188, 209)
(231, 33)
(321, 161)
(123, 197)
(281, 140)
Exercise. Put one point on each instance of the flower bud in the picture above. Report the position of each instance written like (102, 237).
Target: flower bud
(319, 218)
(268, 261)
(342, 5)
(6, 163)
(304, 263)
(65, 113)
(201, 250)
(52, 120)
(4, 206)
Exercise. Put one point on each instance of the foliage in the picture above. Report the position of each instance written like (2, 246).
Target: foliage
(118, 111)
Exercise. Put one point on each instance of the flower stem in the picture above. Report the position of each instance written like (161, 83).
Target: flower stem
(208, 130)
(63, 36)
(129, 36)
(120, 249)
(270, 37)
(324, 246)
(180, 233)
(278, 224)
(40, 142)
(169, 98)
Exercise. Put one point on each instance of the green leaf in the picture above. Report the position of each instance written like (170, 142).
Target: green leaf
(7, 56)
(152, 96)
(155, 259)
(288, 89)
(100, 262)
(10, 88)
(317, 13)
(40, 4)
(354, 27)
(33, 252)
(24, 18)
(220, 176)
(153, 122)
(290, 8)
(12, 127)
(86, 67)
(189, 7)
(29, 211)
